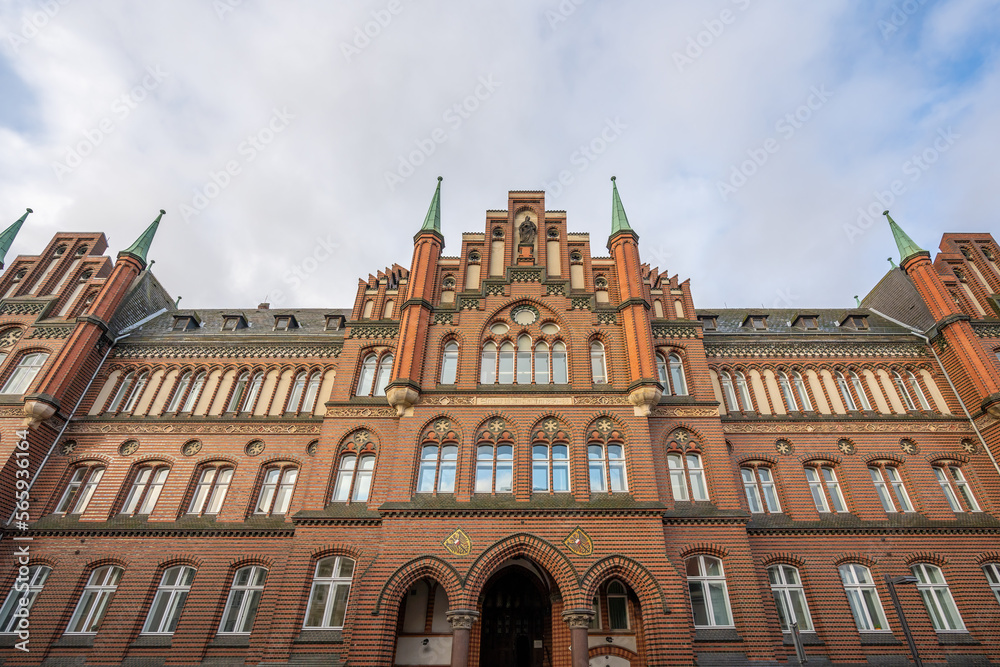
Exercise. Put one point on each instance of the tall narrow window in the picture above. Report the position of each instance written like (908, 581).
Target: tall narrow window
(617, 606)
(124, 389)
(488, 367)
(210, 491)
(94, 601)
(384, 373)
(859, 389)
(194, 393)
(22, 596)
(80, 489)
(387, 311)
(789, 598)
(759, 486)
(252, 392)
(560, 468)
(506, 374)
(937, 598)
(595, 464)
(903, 391)
(692, 485)
(540, 465)
(449, 363)
(863, 598)
(800, 389)
(312, 392)
(236, 400)
(366, 378)
(502, 464)
(709, 595)
(744, 392)
(179, 392)
(276, 490)
(825, 489)
(169, 601)
(992, 572)
(363, 479)
(542, 363)
(889, 486)
(429, 469)
(524, 360)
(345, 477)
(661, 372)
(330, 589)
(727, 392)
(917, 391)
(560, 369)
(136, 393)
(295, 395)
(24, 374)
(677, 381)
(845, 392)
(598, 366)
(146, 488)
(243, 601)
(786, 392)
(951, 480)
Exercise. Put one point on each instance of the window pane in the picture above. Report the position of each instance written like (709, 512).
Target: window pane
(720, 609)
(488, 372)
(618, 612)
(338, 610)
(699, 607)
(560, 369)
(317, 605)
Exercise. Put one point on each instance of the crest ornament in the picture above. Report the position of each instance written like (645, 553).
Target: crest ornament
(908, 446)
(579, 543)
(783, 447)
(969, 447)
(191, 448)
(458, 543)
(128, 447)
(67, 447)
(254, 447)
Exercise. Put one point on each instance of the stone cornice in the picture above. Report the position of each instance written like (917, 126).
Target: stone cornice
(217, 350)
(819, 349)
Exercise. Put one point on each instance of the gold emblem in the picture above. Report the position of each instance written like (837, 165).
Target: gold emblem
(579, 543)
(458, 543)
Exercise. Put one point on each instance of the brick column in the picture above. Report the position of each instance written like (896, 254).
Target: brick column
(461, 628)
(578, 621)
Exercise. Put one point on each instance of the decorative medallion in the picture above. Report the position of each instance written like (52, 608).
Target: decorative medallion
(10, 336)
(524, 315)
(128, 447)
(312, 447)
(191, 447)
(579, 543)
(784, 447)
(846, 446)
(496, 426)
(254, 447)
(442, 425)
(458, 543)
(969, 447)
(908, 446)
(68, 447)
(605, 425)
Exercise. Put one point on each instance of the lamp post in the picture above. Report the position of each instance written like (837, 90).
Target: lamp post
(891, 583)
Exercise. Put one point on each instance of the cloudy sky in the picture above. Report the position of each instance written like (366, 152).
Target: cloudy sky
(749, 137)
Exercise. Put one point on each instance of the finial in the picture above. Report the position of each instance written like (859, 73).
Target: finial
(440, 178)
(178, 302)
(29, 210)
(614, 178)
(857, 300)
(907, 248)
(891, 263)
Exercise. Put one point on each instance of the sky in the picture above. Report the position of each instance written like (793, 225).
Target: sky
(295, 146)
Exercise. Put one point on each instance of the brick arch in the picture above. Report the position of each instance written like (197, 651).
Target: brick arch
(451, 335)
(512, 425)
(820, 457)
(179, 559)
(537, 426)
(757, 457)
(884, 456)
(254, 559)
(428, 423)
(429, 567)
(543, 553)
(925, 557)
(544, 311)
(988, 557)
(940, 457)
(632, 572)
(702, 548)
(854, 557)
(782, 558)
(620, 426)
(336, 549)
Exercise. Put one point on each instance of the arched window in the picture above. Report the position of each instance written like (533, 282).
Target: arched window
(388, 309)
(758, 483)
(506, 373)
(917, 390)
(992, 572)
(146, 487)
(825, 489)
(488, 369)
(80, 489)
(169, 601)
(367, 311)
(800, 389)
(606, 458)
(709, 595)
(295, 395)
(859, 389)
(954, 486)
(449, 363)
(744, 392)
(24, 588)
(504, 463)
(243, 601)
(330, 589)
(210, 489)
(560, 368)
(179, 391)
(366, 379)
(617, 606)
(312, 392)
(786, 392)
(726, 380)
(677, 381)
(384, 373)
(863, 598)
(354, 475)
(276, 490)
(904, 393)
(691, 461)
(845, 392)
(524, 360)
(95, 600)
(438, 458)
(136, 393)
(889, 486)
(236, 400)
(542, 363)
(550, 457)
(194, 393)
(598, 367)
(937, 598)
(661, 372)
(124, 390)
(253, 391)
(789, 598)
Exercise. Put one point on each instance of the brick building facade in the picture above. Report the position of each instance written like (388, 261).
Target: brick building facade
(522, 454)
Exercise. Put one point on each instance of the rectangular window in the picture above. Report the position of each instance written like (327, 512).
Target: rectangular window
(863, 598)
(94, 601)
(937, 598)
(789, 598)
(331, 587)
(244, 598)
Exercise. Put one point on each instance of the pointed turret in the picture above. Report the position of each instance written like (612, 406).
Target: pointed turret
(8, 235)
(432, 221)
(907, 248)
(619, 221)
(139, 249)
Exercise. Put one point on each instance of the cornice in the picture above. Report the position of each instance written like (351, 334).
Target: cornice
(819, 349)
(188, 350)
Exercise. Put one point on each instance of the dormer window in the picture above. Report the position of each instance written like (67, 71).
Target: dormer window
(708, 322)
(233, 322)
(859, 322)
(285, 323)
(809, 322)
(185, 322)
(60, 251)
(334, 322)
(81, 251)
(756, 322)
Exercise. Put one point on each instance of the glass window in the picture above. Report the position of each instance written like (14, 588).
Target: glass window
(366, 378)
(789, 598)
(992, 571)
(863, 598)
(728, 393)
(937, 598)
(560, 367)
(123, 390)
(146, 488)
(503, 465)
(210, 491)
(524, 360)
(276, 490)
(250, 399)
(677, 464)
(331, 588)
(80, 490)
(295, 395)
(506, 374)
(542, 363)
(759, 486)
(845, 392)
(384, 373)
(312, 391)
(169, 601)
(179, 392)
(24, 374)
(345, 477)
(595, 465)
(244, 598)
(22, 595)
(859, 389)
(903, 391)
(560, 468)
(677, 381)
(825, 478)
(953, 484)
(94, 601)
(744, 392)
(598, 367)
(709, 596)
(661, 373)
(889, 486)
(194, 393)
(540, 468)
(429, 467)
(449, 363)
(786, 391)
(918, 391)
(800, 389)
(136, 392)
(488, 370)
(236, 400)
(363, 479)
(595, 620)
(617, 606)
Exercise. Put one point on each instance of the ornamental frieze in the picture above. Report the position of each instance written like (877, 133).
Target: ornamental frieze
(361, 412)
(22, 308)
(673, 331)
(12, 412)
(986, 330)
(129, 428)
(680, 412)
(374, 331)
(226, 351)
(815, 350)
(50, 332)
(852, 427)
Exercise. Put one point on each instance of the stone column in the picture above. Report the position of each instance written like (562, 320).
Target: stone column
(461, 625)
(578, 621)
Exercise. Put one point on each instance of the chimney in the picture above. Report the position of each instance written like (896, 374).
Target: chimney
(263, 306)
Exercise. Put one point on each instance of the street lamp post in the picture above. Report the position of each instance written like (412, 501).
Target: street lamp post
(891, 583)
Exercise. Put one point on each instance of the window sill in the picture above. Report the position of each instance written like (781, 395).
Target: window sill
(956, 638)
(75, 641)
(808, 639)
(152, 641)
(879, 638)
(319, 637)
(717, 635)
(232, 641)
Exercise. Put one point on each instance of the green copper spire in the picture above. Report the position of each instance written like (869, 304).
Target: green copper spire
(141, 245)
(432, 223)
(619, 222)
(7, 237)
(907, 247)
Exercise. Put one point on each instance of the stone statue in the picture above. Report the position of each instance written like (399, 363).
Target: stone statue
(527, 231)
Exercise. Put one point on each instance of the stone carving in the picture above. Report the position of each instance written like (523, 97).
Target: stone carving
(254, 448)
(128, 448)
(446, 400)
(908, 446)
(674, 331)
(784, 447)
(578, 618)
(191, 448)
(130, 428)
(843, 427)
(600, 399)
(581, 302)
(526, 275)
(47, 333)
(469, 303)
(606, 318)
(684, 411)
(443, 318)
(359, 412)
(846, 447)
(551, 290)
(462, 619)
(527, 230)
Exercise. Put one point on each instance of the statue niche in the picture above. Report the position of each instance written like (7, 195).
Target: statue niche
(527, 231)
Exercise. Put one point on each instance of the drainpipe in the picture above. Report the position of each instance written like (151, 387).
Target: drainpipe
(916, 332)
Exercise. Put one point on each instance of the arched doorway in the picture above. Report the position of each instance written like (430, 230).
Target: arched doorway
(516, 620)
(423, 634)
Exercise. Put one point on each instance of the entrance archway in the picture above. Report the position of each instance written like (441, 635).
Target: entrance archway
(515, 621)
